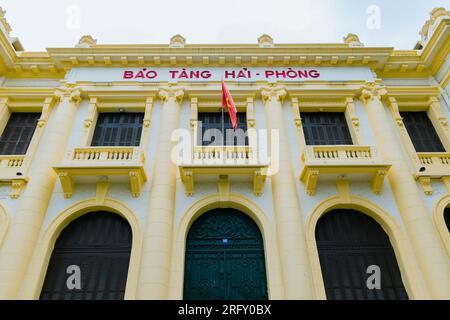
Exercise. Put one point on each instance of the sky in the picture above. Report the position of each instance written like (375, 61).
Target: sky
(42, 24)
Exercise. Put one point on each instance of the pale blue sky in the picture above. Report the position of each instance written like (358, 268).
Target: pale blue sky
(49, 23)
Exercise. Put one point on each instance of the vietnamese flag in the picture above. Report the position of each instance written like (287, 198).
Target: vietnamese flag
(227, 103)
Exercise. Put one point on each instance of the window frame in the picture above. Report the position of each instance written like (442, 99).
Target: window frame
(10, 116)
(327, 113)
(432, 107)
(426, 113)
(345, 105)
(20, 102)
(226, 128)
(133, 126)
(205, 105)
(99, 105)
(427, 101)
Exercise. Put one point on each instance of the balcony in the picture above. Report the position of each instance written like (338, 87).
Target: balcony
(216, 161)
(434, 164)
(90, 163)
(332, 161)
(12, 172)
(431, 165)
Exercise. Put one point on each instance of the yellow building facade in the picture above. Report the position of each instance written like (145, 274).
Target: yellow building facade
(345, 168)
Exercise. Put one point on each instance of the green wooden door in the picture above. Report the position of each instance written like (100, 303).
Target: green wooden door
(224, 258)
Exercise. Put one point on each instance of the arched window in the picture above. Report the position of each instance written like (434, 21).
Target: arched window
(352, 246)
(224, 258)
(96, 247)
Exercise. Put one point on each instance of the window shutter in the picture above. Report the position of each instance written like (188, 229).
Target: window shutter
(421, 131)
(326, 128)
(118, 129)
(18, 133)
(100, 244)
(213, 120)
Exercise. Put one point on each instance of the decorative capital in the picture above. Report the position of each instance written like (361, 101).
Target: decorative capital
(70, 92)
(273, 92)
(371, 91)
(175, 93)
(58, 95)
(75, 97)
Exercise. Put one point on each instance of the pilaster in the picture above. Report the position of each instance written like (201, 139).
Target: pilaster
(24, 230)
(290, 229)
(155, 263)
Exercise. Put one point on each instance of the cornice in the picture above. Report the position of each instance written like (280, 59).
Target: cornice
(446, 80)
(116, 95)
(385, 61)
(438, 46)
(217, 55)
(412, 91)
(26, 92)
(7, 53)
(412, 96)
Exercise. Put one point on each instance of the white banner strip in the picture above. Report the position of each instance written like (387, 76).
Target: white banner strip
(293, 74)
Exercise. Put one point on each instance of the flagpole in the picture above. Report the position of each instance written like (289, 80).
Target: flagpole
(223, 127)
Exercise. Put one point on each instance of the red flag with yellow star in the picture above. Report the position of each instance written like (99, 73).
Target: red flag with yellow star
(228, 103)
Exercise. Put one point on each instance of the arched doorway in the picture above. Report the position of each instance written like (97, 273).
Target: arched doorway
(99, 243)
(348, 242)
(224, 258)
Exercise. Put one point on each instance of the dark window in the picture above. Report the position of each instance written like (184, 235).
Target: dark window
(348, 243)
(422, 132)
(325, 128)
(18, 133)
(213, 120)
(224, 258)
(99, 243)
(118, 129)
